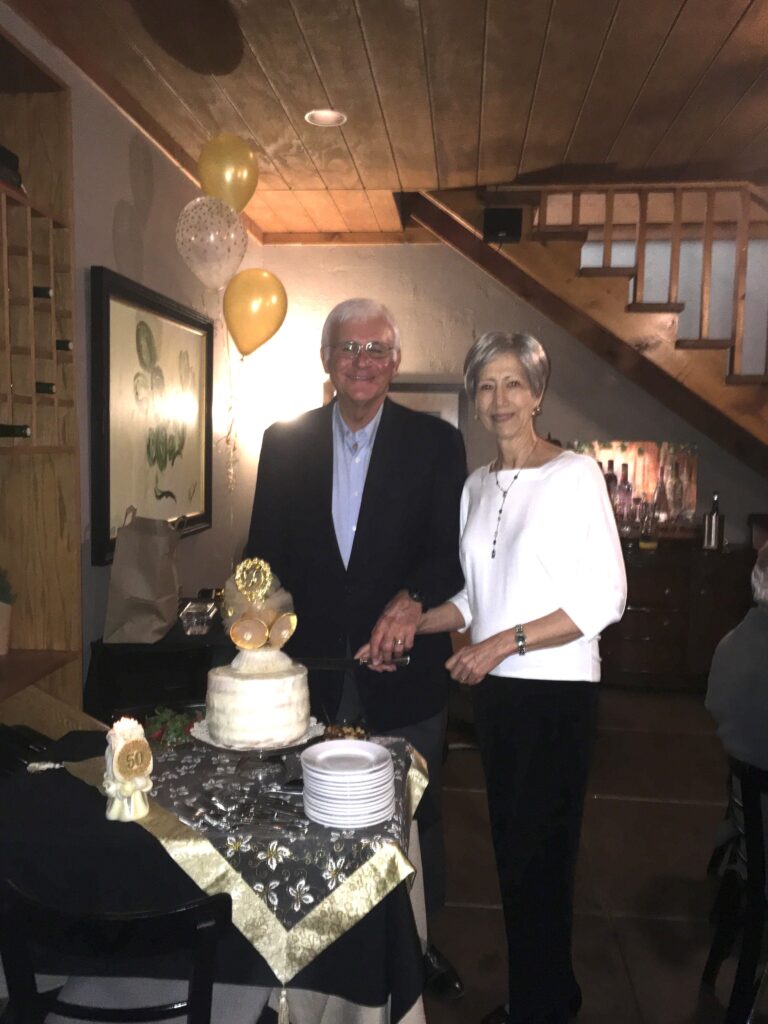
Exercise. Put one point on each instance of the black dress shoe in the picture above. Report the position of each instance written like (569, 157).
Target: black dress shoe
(501, 1016)
(442, 979)
(497, 1016)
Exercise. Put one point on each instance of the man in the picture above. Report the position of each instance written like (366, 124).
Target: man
(737, 693)
(357, 512)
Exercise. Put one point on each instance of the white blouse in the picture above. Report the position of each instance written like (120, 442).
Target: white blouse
(557, 547)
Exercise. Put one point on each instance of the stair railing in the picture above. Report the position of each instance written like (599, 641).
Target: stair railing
(674, 212)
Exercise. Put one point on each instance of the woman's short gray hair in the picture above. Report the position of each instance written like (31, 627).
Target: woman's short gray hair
(529, 350)
(760, 576)
(357, 309)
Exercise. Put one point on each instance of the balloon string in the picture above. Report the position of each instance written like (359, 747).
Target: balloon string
(229, 438)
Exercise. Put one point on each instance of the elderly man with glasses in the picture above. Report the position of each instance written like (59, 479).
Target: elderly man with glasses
(357, 511)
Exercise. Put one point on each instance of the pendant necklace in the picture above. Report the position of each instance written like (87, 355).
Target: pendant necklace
(505, 492)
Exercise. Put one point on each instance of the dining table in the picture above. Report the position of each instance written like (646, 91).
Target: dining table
(328, 924)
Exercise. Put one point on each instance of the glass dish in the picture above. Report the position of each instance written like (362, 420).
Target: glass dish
(197, 617)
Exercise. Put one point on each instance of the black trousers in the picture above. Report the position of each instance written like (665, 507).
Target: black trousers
(536, 739)
(428, 737)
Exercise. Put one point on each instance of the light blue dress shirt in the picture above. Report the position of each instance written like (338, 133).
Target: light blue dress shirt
(351, 457)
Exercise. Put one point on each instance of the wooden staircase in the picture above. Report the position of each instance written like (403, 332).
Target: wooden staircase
(700, 378)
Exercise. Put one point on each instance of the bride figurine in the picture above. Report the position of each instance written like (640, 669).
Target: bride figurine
(127, 775)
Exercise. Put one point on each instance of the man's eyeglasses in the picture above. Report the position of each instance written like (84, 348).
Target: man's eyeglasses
(373, 349)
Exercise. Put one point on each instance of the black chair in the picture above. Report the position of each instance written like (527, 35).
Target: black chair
(28, 925)
(741, 905)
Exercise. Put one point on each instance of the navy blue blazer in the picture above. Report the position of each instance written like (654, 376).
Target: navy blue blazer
(407, 537)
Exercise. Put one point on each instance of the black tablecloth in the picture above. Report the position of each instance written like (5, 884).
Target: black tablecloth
(56, 843)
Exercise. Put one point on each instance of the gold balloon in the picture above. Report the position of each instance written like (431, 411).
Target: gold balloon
(228, 169)
(255, 305)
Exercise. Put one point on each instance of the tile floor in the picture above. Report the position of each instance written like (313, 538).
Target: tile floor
(641, 932)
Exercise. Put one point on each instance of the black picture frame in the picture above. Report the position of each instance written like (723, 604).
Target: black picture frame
(446, 399)
(143, 420)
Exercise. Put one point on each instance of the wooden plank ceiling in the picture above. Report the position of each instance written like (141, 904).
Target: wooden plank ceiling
(439, 93)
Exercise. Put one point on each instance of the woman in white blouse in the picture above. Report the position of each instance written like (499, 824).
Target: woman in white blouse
(544, 575)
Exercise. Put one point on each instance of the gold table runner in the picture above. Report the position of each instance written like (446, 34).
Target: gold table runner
(286, 950)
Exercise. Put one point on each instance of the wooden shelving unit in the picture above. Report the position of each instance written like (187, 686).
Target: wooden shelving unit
(39, 474)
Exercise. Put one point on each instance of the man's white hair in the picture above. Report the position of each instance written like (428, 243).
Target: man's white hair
(357, 309)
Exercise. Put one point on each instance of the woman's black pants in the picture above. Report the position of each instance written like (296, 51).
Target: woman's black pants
(536, 738)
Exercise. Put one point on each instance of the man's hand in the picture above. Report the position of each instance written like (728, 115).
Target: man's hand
(393, 634)
(472, 664)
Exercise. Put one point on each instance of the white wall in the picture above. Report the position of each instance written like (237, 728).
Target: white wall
(127, 199)
(442, 302)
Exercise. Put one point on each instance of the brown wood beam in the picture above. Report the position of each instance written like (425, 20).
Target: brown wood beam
(622, 356)
(410, 235)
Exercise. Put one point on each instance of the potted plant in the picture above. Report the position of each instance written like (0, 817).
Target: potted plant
(7, 597)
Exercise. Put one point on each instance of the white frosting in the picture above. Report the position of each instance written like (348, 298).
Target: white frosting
(260, 700)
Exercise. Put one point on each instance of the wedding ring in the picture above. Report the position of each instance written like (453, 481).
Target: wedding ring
(399, 643)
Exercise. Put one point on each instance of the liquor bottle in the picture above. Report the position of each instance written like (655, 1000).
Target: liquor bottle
(42, 291)
(610, 480)
(660, 501)
(624, 493)
(15, 430)
(44, 387)
(675, 492)
(649, 531)
(63, 345)
(714, 526)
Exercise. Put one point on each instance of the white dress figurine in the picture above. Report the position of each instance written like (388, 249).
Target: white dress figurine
(128, 767)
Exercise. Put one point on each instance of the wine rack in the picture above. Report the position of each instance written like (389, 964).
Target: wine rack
(36, 378)
(40, 532)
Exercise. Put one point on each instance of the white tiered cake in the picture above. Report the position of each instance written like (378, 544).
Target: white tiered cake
(260, 700)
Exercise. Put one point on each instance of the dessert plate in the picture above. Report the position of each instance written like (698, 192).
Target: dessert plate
(347, 759)
(316, 729)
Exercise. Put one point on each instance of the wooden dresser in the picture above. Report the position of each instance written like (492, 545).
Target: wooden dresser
(681, 602)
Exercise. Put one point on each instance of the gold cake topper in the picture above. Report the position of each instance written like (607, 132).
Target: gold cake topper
(253, 578)
(265, 622)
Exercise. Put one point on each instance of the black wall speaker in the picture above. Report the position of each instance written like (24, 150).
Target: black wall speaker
(503, 224)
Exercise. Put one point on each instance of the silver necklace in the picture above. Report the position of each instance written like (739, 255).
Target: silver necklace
(505, 492)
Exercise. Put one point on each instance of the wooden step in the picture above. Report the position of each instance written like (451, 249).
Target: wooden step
(563, 234)
(746, 378)
(500, 198)
(607, 271)
(704, 343)
(655, 307)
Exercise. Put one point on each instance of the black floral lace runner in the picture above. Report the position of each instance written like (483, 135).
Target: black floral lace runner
(250, 809)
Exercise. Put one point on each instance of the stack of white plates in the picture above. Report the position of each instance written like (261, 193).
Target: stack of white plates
(348, 783)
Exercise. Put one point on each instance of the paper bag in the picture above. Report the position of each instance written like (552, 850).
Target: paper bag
(143, 599)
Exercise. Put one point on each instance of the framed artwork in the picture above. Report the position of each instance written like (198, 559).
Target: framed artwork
(151, 377)
(447, 401)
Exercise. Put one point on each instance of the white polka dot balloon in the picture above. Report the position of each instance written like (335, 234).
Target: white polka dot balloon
(211, 239)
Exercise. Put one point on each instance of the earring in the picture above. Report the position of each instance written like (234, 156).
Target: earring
(537, 410)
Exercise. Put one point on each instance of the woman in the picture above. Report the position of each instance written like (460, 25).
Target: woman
(544, 574)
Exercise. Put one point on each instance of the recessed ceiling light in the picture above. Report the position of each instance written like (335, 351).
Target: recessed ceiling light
(325, 118)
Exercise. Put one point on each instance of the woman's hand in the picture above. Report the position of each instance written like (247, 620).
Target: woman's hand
(472, 664)
(392, 636)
